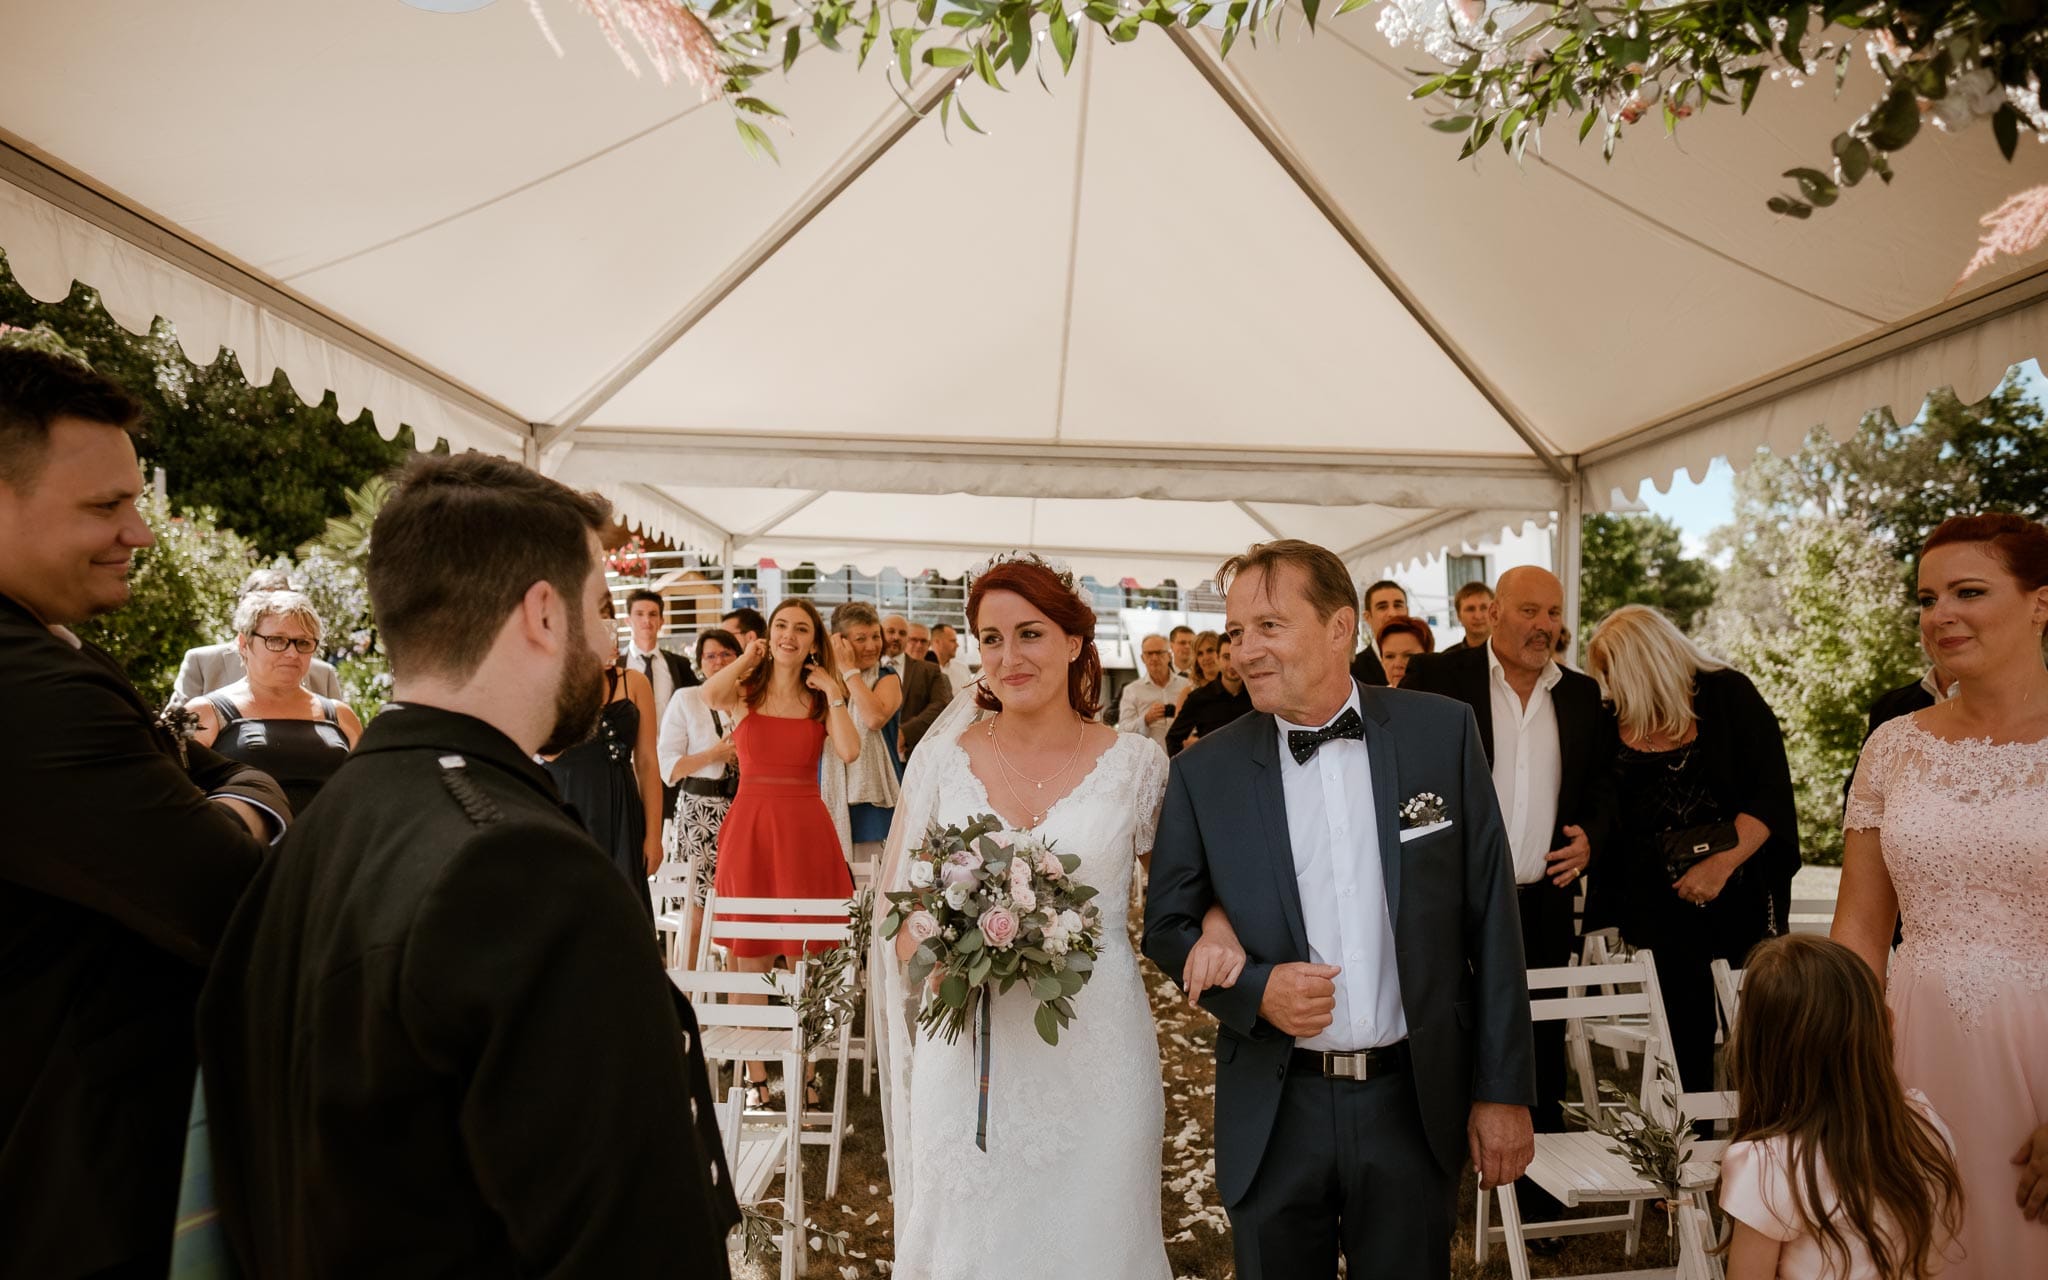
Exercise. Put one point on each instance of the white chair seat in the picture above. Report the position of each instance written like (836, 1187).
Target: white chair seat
(1583, 1168)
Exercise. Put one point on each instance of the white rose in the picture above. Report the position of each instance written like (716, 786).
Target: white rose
(1071, 922)
(956, 896)
(921, 874)
(1055, 943)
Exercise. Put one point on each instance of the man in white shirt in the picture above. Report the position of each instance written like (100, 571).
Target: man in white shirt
(946, 648)
(1148, 704)
(1375, 1023)
(1549, 741)
(647, 614)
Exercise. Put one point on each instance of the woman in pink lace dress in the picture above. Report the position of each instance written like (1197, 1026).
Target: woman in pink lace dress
(1948, 826)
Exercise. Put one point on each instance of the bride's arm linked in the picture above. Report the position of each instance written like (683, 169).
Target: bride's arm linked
(1179, 900)
(1215, 960)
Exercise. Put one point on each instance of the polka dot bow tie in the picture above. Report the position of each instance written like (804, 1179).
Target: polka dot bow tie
(1303, 742)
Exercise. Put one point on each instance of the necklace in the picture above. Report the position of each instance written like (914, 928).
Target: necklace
(1038, 784)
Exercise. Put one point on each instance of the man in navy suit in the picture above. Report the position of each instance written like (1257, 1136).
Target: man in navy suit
(1378, 1032)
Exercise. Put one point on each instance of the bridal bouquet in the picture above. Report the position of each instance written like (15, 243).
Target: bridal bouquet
(993, 908)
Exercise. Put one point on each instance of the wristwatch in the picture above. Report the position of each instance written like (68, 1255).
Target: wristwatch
(835, 702)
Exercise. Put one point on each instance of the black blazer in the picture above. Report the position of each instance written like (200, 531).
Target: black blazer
(117, 876)
(429, 1052)
(926, 694)
(1586, 735)
(1223, 838)
(1749, 773)
(1366, 668)
(1890, 705)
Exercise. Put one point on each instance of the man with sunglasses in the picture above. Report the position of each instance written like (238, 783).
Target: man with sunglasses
(216, 666)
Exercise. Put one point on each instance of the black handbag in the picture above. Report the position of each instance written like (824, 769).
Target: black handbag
(1686, 847)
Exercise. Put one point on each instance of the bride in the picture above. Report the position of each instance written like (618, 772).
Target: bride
(1070, 1182)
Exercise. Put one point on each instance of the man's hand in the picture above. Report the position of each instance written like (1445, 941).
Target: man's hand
(1503, 1142)
(1300, 999)
(1154, 712)
(2033, 1162)
(1566, 865)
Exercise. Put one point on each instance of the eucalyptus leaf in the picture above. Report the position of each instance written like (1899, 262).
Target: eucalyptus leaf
(1853, 156)
(1895, 121)
(1047, 1024)
(953, 991)
(1789, 206)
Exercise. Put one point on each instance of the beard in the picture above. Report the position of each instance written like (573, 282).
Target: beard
(579, 694)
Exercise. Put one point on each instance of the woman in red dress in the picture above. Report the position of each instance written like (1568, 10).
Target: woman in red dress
(778, 841)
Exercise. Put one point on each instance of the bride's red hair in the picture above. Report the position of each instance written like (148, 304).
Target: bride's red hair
(1043, 590)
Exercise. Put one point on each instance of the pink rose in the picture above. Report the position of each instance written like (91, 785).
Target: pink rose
(998, 927)
(922, 927)
(1049, 865)
(960, 868)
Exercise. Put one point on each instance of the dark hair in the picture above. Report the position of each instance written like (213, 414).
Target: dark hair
(942, 626)
(1174, 632)
(1810, 1059)
(1329, 582)
(718, 636)
(1410, 626)
(36, 389)
(1046, 592)
(755, 687)
(750, 620)
(2020, 544)
(1469, 590)
(635, 597)
(457, 546)
(1384, 584)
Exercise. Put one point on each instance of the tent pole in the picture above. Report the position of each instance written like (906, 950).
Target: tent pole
(1571, 554)
(725, 595)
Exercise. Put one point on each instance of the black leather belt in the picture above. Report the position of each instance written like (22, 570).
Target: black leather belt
(1362, 1065)
(716, 788)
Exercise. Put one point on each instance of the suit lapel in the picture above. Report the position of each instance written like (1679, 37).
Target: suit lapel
(1478, 694)
(1386, 780)
(1272, 806)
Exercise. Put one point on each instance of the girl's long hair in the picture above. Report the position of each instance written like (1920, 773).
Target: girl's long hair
(1810, 1059)
(755, 687)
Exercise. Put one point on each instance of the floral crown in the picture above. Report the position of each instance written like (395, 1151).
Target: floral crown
(1059, 569)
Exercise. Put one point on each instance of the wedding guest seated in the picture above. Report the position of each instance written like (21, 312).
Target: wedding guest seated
(216, 666)
(126, 850)
(267, 719)
(1401, 639)
(1212, 706)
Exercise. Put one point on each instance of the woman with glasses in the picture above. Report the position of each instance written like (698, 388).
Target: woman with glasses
(267, 719)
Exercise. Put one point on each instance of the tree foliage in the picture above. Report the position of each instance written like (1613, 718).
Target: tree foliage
(1639, 559)
(270, 466)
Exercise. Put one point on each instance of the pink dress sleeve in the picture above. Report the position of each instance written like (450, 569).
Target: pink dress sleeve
(1873, 776)
(1754, 1188)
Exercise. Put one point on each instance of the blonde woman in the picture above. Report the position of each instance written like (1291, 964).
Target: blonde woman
(1705, 839)
(267, 719)
(1205, 667)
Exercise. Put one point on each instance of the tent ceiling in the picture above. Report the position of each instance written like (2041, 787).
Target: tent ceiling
(1171, 307)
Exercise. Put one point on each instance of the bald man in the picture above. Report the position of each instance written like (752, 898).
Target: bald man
(1549, 742)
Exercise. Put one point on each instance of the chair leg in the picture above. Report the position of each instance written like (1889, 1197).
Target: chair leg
(1480, 1227)
(1511, 1230)
(1635, 1226)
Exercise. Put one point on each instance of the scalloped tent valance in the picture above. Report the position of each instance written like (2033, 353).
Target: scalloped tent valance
(1176, 305)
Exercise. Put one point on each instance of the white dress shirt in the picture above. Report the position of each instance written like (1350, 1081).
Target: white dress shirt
(655, 668)
(688, 727)
(959, 673)
(1528, 764)
(1140, 694)
(1334, 830)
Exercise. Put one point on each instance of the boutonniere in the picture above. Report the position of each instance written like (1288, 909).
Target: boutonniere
(1424, 809)
(181, 722)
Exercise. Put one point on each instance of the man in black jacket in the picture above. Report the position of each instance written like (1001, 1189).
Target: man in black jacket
(1212, 706)
(124, 854)
(1548, 740)
(437, 1040)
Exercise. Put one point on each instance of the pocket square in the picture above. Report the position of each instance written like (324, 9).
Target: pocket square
(1416, 833)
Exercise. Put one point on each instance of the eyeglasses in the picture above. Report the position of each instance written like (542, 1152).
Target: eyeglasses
(278, 644)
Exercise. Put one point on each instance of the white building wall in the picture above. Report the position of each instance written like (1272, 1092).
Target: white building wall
(1428, 581)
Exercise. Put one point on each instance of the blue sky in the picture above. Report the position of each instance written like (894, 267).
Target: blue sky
(1698, 508)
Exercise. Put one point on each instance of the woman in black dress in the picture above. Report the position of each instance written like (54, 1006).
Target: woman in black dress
(1705, 840)
(267, 719)
(611, 778)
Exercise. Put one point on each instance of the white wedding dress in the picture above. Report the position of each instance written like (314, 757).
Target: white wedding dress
(1070, 1183)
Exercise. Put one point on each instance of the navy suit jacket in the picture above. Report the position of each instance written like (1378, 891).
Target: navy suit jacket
(1457, 932)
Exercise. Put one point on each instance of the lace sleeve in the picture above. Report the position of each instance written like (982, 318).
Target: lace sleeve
(1874, 768)
(1149, 793)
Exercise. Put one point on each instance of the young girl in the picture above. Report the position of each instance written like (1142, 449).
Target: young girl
(1834, 1171)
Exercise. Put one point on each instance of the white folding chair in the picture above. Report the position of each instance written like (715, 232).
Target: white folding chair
(803, 921)
(1581, 1168)
(1811, 915)
(672, 887)
(1727, 993)
(738, 1033)
(1624, 1036)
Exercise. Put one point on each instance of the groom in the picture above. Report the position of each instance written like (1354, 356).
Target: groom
(1379, 1032)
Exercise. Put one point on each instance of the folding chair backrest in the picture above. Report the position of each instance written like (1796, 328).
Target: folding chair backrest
(701, 985)
(1811, 915)
(1727, 992)
(797, 921)
(1564, 992)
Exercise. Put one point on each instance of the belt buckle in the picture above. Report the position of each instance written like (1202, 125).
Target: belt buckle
(1343, 1066)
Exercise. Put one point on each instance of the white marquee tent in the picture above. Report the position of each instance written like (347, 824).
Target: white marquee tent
(1175, 306)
